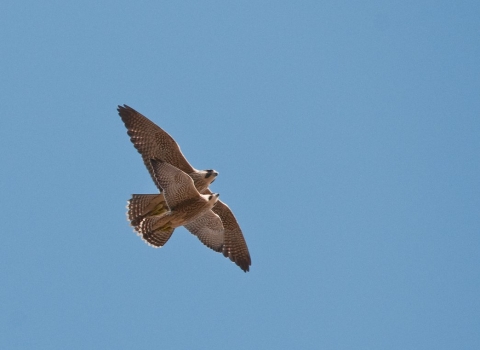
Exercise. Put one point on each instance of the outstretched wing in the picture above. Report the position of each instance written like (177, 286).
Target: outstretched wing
(209, 230)
(151, 141)
(177, 186)
(234, 247)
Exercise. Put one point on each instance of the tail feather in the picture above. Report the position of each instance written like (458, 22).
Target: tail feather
(156, 237)
(142, 205)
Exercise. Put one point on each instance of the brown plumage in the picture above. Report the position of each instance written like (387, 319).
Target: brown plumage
(184, 203)
(152, 142)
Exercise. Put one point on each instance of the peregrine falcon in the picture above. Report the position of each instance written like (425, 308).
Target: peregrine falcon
(153, 144)
(185, 206)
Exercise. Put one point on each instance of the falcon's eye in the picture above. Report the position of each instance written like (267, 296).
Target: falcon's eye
(209, 173)
(210, 197)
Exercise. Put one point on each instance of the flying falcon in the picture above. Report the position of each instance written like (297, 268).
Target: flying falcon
(186, 206)
(152, 142)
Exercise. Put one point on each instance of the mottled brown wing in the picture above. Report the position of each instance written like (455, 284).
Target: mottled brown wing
(177, 186)
(155, 237)
(143, 205)
(209, 230)
(151, 141)
(234, 247)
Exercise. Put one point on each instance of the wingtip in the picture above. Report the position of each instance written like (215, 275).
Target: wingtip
(242, 261)
(245, 268)
(243, 264)
(124, 108)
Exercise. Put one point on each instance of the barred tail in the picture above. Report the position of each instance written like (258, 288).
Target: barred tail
(154, 236)
(143, 205)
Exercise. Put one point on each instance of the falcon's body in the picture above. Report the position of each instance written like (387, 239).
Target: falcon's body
(184, 203)
(152, 142)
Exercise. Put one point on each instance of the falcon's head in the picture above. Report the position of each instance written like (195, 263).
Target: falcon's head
(213, 198)
(210, 173)
(203, 178)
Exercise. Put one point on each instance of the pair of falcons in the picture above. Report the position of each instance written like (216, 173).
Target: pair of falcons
(184, 198)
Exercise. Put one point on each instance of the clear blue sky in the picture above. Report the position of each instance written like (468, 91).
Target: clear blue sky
(347, 138)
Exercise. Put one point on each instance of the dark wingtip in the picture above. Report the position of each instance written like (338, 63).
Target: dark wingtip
(244, 264)
(125, 108)
(245, 268)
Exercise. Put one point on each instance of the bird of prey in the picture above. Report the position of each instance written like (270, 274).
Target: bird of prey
(152, 142)
(186, 206)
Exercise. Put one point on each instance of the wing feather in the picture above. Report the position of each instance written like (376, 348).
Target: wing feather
(235, 248)
(209, 230)
(151, 141)
(177, 186)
